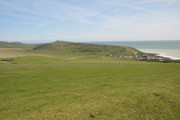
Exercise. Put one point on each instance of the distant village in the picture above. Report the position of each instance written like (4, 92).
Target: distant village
(149, 57)
(152, 56)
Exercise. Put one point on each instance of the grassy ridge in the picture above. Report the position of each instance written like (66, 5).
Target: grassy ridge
(4, 44)
(64, 47)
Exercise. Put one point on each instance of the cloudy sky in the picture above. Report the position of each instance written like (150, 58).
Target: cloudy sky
(89, 20)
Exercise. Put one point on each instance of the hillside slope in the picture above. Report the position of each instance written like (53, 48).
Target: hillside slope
(4, 44)
(90, 49)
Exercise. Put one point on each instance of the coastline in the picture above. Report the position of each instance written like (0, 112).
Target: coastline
(167, 53)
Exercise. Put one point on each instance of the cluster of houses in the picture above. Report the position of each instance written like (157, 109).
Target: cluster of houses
(151, 56)
(146, 56)
(122, 56)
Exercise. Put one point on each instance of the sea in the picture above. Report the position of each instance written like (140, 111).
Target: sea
(166, 48)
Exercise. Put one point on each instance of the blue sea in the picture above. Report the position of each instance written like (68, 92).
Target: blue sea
(170, 48)
(174, 44)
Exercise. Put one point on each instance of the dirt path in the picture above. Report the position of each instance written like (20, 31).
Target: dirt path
(7, 49)
(12, 55)
(135, 53)
(17, 52)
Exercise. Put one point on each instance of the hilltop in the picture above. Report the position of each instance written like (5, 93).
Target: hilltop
(90, 49)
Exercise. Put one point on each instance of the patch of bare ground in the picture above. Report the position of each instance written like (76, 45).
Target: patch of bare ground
(5, 49)
(42, 55)
(70, 59)
(11, 55)
(14, 52)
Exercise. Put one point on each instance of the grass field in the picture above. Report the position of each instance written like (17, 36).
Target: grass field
(66, 87)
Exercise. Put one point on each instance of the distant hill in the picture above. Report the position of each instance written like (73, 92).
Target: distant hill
(4, 44)
(85, 48)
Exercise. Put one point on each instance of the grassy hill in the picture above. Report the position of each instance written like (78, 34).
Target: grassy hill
(90, 49)
(4, 44)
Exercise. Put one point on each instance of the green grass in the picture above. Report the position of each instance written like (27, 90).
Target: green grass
(100, 91)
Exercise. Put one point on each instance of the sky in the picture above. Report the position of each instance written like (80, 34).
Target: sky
(89, 20)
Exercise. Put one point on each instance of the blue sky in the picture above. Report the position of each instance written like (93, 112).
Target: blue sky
(89, 20)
